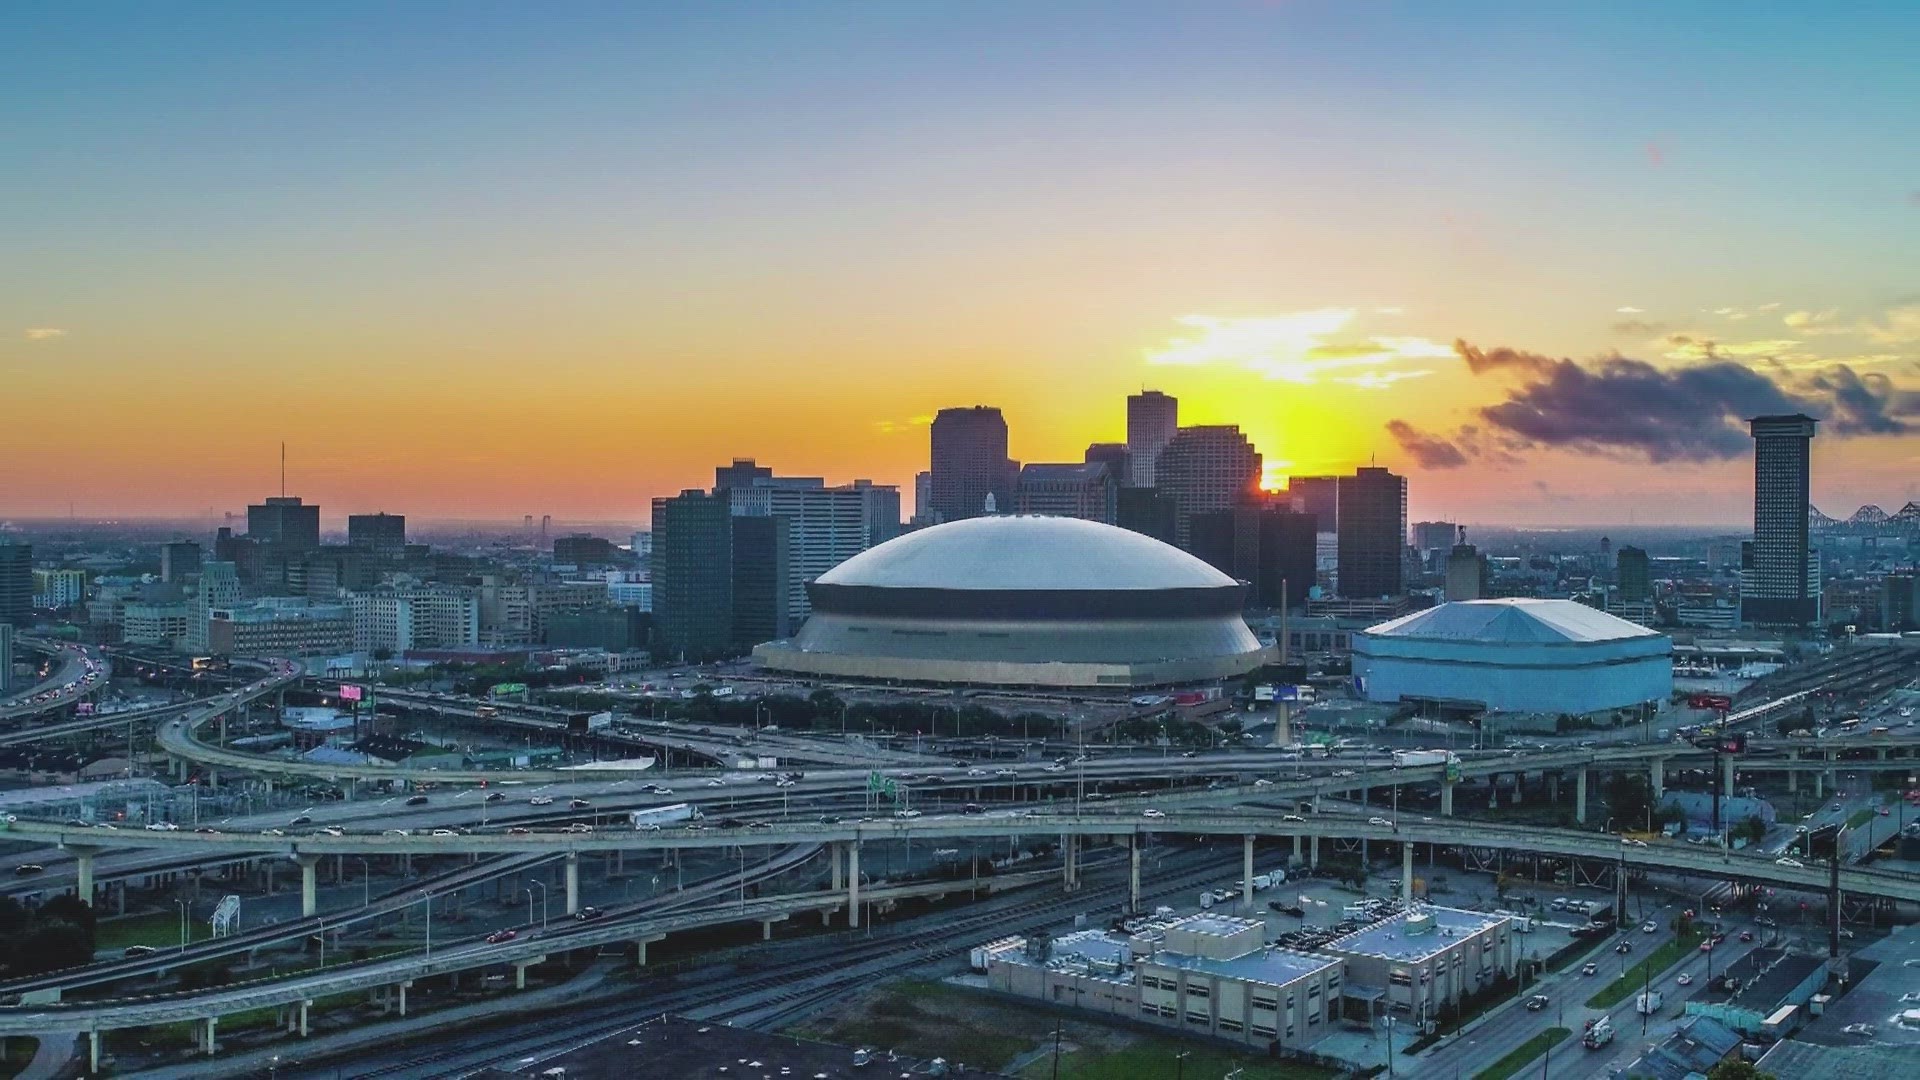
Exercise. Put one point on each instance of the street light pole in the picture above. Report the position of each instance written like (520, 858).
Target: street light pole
(366, 881)
(543, 904)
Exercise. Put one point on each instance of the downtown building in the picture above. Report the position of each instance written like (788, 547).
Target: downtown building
(16, 582)
(1084, 490)
(1266, 546)
(1372, 529)
(1206, 468)
(285, 521)
(824, 527)
(1153, 418)
(971, 474)
(1780, 568)
(401, 618)
(280, 626)
(383, 535)
(692, 571)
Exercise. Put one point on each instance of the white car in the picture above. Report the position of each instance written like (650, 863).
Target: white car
(1381, 822)
(907, 814)
(163, 826)
(1262, 783)
(1152, 813)
(1788, 862)
(1055, 768)
(1684, 980)
(445, 832)
(716, 782)
(1649, 927)
(540, 800)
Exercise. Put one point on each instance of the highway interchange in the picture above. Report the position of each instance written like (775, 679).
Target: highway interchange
(822, 816)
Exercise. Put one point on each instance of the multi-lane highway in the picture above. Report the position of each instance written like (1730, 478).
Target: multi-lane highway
(82, 671)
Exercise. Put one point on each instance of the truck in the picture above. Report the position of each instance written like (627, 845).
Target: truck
(1598, 1035)
(1648, 1003)
(1407, 759)
(654, 817)
(583, 723)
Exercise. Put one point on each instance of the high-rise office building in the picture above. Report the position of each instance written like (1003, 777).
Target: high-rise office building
(1319, 496)
(1900, 603)
(54, 590)
(383, 534)
(219, 591)
(1152, 420)
(1148, 512)
(179, 560)
(763, 580)
(1466, 573)
(1076, 489)
(1634, 572)
(1268, 547)
(923, 498)
(286, 521)
(970, 463)
(1780, 570)
(582, 549)
(1116, 458)
(1210, 467)
(1432, 540)
(742, 472)
(6, 658)
(1373, 534)
(16, 582)
(826, 526)
(693, 576)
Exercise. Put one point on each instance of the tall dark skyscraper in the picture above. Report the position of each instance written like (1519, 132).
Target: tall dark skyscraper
(1780, 570)
(1152, 420)
(16, 582)
(1210, 467)
(693, 576)
(385, 535)
(286, 521)
(1635, 575)
(1263, 546)
(179, 560)
(762, 580)
(1373, 534)
(970, 463)
(1148, 512)
(1116, 458)
(1318, 496)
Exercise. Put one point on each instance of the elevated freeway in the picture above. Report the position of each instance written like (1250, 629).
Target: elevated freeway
(81, 673)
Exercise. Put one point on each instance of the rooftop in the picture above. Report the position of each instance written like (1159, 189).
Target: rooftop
(1512, 621)
(1389, 938)
(1764, 992)
(1028, 552)
(1275, 967)
(1796, 1058)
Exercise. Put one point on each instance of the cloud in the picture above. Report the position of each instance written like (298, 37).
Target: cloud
(1300, 347)
(895, 427)
(1629, 309)
(1429, 451)
(1638, 326)
(1380, 380)
(1692, 347)
(1810, 320)
(44, 333)
(1900, 325)
(1732, 313)
(1620, 406)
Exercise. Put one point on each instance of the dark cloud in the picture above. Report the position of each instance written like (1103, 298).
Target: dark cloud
(1429, 451)
(1480, 361)
(1865, 404)
(1638, 326)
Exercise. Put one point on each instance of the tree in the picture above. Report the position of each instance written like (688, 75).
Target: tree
(67, 908)
(1738, 1070)
(1630, 800)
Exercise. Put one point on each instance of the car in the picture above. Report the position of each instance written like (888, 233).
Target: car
(132, 951)
(1746, 935)
(1836, 806)
(1628, 841)
(731, 823)
(1590, 968)
(578, 827)
(1885, 812)
(658, 790)
(1537, 1002)
(578, 804)
(716, 782)
(1150, 812)
(1007, 774)
(396, 832)
(206, 829)
(25, 869)
(1863, 1030)
(301, 820)
(908, 814)
(1055, 768)
(783, 783)
(1767, 921)
(1625, 946)
(588, 914)
(334, 830)
(973, 808)
(1263, 783)
(1291, 817)
(501, 937)
(1559, 903)
(443, 832)
(540, 800)
(497, 796)
(1707, 945)
(518, 830)
(416, 800)
(162, 826)
(1649, 927)
(1381, 822)
(1684, 980)
(976, 772)
(1788, 862)
(273, 832)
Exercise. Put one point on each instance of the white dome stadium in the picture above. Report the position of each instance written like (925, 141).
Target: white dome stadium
(1022, 601)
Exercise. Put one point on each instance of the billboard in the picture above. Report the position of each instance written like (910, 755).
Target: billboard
(349, 692)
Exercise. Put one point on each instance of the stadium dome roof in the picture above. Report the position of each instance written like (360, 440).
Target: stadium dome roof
(1025, 552)
(1516, 621)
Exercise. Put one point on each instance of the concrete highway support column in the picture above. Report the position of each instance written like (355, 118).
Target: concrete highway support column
(1657, 777)
(83, 872)
(1580, 796)
(1446, 798)
(403, 997)
(1819, 785)
(309, 903)
(641, 944)
(1726, 768)
(1406, 871)
(1246, 870)
(93, 1052)
(834, 852)
(208, 1044)
(1313, 856)
(853, 885)
(1553, 787)
(1133, 874)
(573, 882)
(1793, 775)
(303, 1005)
(1298, 854)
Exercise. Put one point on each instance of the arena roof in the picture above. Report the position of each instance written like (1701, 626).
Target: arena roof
(1025, 552)
(1514, 621)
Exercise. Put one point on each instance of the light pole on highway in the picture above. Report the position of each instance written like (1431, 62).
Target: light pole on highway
(543, 903)
(366, 881)
(427, 898)
(183, 905)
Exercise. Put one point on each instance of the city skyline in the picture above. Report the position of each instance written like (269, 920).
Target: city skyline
(472, 265)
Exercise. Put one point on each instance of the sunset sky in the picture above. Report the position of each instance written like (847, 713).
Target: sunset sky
(480, 260)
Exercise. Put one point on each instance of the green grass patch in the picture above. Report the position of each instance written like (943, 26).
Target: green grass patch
(1521, 1056)
(1646, 970)
(160, 929)
(927, 1019)
(1860, 817)
(1160, 1059)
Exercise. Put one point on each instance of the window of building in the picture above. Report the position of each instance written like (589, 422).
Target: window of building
(1263, 1002)
(1230, 1025)
(1197, 1017)
(1198, 990)
(1400, 978)
(1266, 1032)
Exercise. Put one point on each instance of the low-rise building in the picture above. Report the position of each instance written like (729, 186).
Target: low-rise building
(280, 626)
(1426, 958)
(164, 624)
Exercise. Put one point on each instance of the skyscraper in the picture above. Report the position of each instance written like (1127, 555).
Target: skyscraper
(693, 575)
(1152, 420)
(1211, 467)
(1115, 457)
(970, 463)
(1635, 575)
(1073, 489)
(385, 535)
(1780, 570)
(762, 581)
(1319, 496)
(1148, 512)
(6, 658)
(179, 560)
(219, 591)
(284, 520)
(16, 582)
(1373, 534)
(1268, 547)
(826, 526)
